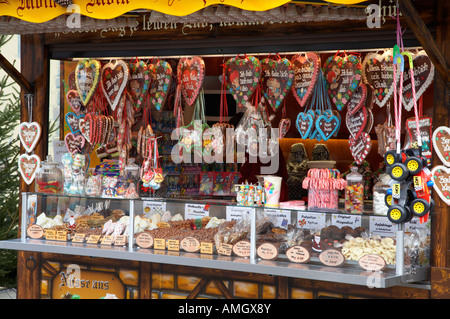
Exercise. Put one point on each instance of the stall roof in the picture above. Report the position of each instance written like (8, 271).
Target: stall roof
(44, 16)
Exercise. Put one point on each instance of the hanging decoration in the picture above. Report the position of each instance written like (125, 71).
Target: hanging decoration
(441, 182)
(423, 70)
(74, 143)
(243, 76)
(277, 80)
(74, 101)
(162, 78)
(191, 74)
(29, 135)
(87, 77)
(441, 144)
(343, 75)
(360, 147)
(140, 81)
(114, 80)
(285, 124)
(378, 73)
(318, 121)
(306, 67)
(73, 121)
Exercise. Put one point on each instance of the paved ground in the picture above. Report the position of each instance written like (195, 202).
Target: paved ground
(7, 293)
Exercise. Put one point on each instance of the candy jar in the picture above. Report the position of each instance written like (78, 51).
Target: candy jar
(49, 178)
(379, 195)
(354, 192)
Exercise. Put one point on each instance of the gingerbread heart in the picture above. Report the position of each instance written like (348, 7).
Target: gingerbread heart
(360, 147)
(139, 82)
(369, 122)
(441, 144)
(378, 73)
(357, 100)
(342, 75)
(440, 175)
(277, 80)
(425, 131)
(74, 143)
(327, 125)
(87, 74)
(85, 127)
(73, 121)
(191, 74)
(305, 124)
(306, 68)
(74, 101)
(29, 134)
(423, 77)
(243, 76)
(71, 81)
(28, 165)
(162, 78)
(114, 80)
(357, 123)
(284, 126)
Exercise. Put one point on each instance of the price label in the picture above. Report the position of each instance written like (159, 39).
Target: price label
(151, 207)
(107, 240)
(206, 248)
(160, 243)
(267, 251)
(380, 225)
(78, 238)
(173, 245)
(50, 234)
(281, 218)
(93, 239)
(225, 249)
(242, 248)
(332, 257)
(372, 262)
(35, 231)
(196, 211)
(144, 240)
(236, 212)
(298, 254)
(120, 240)
(311, 220)
(61, 235)
(190, 244)
(341, 220)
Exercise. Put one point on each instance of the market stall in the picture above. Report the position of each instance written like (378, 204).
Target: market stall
(290, 152)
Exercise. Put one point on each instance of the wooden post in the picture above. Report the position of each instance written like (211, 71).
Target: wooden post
(440, 227)
(35, 69)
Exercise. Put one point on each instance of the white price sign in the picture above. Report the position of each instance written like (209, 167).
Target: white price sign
(380, 225)
(196, 211)
(341, 220)
(311, 220)
(151, 207)
(281, 218)
(236, 212)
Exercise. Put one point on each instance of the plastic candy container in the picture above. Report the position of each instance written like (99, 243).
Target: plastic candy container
(49, 179)
(379, 195)
(323, 188)
(354, 192)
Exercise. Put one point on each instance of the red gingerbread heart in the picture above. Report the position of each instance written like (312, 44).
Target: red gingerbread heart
(191, 74)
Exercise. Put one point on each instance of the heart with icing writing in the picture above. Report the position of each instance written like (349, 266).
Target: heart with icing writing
(356, 123)
(191, 74)
(441, 144)
(342, 76)
(74, 101)
(440, 175)
(360, 147)
(74, 143)
(71, 81)
(85, 126)
(162, 78)
(357, 100)
(139, 81)
(114, 81)
(73, 121)
(243, 76)
(326, 126)
(87, 75)
(378, 73)
(306, 68)
(278, 77)
(423, 70)
(29, 134)
(28, 165)
(283, 127)
(304, 124)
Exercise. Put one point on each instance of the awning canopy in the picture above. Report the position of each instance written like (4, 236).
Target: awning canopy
(39, 11)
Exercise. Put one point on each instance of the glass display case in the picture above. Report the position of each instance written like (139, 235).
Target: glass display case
(360, 249)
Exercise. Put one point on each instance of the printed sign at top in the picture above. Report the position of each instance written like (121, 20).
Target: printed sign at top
(39, 11)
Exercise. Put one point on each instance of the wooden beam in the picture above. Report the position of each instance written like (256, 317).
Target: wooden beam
(15, 75)
(425, 38)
